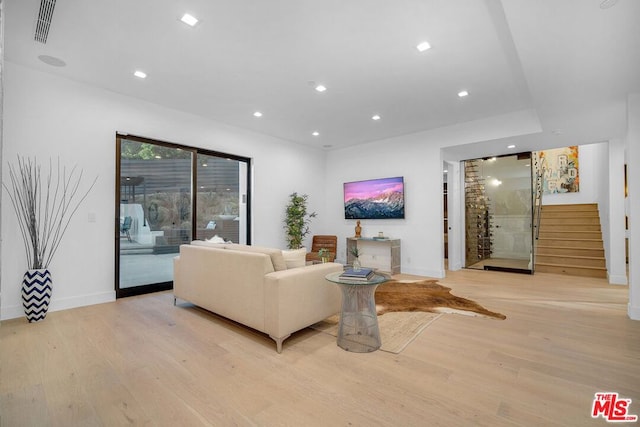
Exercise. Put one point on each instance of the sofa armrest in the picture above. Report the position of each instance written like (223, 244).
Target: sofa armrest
(299, 297)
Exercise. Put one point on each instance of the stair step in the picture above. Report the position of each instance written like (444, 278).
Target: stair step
(589, 207)
(571, 260)
(572, 271)
(577, 243)
(571, 214)
(569, 250)
(577, 222)
(570, 241)
(546, 226)
(570, 235)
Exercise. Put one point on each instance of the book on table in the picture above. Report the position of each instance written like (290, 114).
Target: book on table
(362, 274)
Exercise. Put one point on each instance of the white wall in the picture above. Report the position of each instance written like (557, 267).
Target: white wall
(48, 116)
(633, 202)
(615, 244)
(418, 158)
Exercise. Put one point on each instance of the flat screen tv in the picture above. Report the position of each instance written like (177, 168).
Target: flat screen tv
(381, 198)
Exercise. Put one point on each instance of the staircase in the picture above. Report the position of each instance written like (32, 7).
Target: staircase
(570, 241)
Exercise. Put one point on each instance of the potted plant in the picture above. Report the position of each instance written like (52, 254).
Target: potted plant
(44, 207)
(296, 225)
(356, 258)
(323, 253)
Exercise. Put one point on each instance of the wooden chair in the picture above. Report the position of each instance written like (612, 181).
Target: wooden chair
(323, 241)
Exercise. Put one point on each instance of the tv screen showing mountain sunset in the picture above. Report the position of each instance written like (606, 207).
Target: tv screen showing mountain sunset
(374, 199)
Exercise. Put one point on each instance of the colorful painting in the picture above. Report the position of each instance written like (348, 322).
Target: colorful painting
(560, 170)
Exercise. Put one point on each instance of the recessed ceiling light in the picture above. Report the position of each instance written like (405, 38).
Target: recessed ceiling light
(423, 46)
(257, 114)
(606, 4)
(321, 88)
(189, 20)
(140, 74)
(445, 171)
(511, 146)
(315, 133)
(376, 117)
(52, 60)
(463, 93)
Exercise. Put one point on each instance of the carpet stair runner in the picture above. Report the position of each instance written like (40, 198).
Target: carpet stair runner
(570, 241)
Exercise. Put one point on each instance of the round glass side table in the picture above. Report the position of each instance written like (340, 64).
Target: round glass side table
(358, 328)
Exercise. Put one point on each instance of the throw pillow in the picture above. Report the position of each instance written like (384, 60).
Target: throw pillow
(295, 258)
(216, 239)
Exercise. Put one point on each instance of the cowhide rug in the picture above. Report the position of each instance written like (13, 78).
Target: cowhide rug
(424, 295)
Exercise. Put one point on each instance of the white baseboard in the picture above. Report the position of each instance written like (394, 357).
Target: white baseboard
(16, 311)
(618, 279)
(633, 312)
(437, 274)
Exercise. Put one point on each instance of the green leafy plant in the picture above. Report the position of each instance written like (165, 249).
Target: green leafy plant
(297, 220)
(44, 206)
(323, 253)
(355, 252)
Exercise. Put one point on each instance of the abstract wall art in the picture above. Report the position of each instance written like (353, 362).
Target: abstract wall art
(560, 167)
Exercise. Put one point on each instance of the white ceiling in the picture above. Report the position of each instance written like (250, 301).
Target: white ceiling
(569, 60)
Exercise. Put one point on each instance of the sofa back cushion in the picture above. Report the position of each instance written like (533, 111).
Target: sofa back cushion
(208, 244)
(275, 254)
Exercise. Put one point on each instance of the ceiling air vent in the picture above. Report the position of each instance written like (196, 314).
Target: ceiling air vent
(44, 20)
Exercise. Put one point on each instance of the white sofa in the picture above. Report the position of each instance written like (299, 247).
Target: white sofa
(251, 285)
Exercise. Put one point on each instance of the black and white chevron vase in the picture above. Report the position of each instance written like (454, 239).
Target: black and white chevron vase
(36, 294)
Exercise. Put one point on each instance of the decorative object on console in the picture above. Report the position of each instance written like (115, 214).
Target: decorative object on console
(380, 236)
(355, 251)
(44, 207)
(358, 229)
(374, 199)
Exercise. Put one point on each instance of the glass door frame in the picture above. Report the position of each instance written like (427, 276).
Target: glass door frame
(481, 184)
(156, 287)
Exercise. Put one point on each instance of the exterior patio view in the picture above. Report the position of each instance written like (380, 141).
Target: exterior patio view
(156, 206)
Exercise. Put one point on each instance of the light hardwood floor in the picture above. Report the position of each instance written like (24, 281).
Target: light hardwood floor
(142, 361)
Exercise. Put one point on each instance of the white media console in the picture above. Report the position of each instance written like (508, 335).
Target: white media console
(380, 253)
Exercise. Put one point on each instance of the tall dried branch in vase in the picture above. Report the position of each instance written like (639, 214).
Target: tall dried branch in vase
(44, 206)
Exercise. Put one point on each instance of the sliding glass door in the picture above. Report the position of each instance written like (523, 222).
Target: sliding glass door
(220, 199)
(168, 195)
